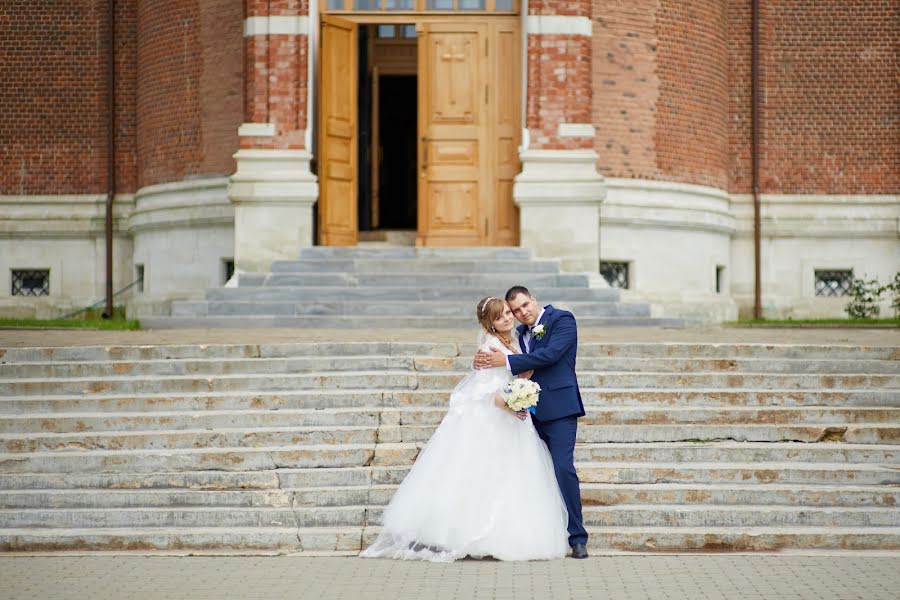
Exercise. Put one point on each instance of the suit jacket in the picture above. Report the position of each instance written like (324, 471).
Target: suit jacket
(552, 358)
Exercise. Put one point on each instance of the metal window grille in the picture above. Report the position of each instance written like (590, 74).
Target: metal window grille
(833, 283)
(31, 282)
(615, 274)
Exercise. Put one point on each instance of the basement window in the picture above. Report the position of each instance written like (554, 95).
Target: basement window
(833, 283)
(615, 274)
(31, 282)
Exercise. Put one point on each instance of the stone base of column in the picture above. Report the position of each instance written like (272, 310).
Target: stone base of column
(273, 192)
(559, 194)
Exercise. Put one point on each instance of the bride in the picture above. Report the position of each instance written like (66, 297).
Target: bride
(484, 483)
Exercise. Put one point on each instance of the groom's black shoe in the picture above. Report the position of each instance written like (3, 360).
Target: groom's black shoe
(579, 551)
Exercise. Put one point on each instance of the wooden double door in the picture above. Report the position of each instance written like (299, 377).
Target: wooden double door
(469, 115)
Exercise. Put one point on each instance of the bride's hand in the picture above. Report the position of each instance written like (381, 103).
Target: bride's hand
(525, 374)
(501, 403)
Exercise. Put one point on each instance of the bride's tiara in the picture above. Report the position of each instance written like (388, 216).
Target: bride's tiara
(483, 304)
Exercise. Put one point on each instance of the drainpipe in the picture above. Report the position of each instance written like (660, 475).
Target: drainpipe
(757, 285)
(110, 151)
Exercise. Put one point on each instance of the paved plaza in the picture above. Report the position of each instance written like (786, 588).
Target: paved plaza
(861, 576)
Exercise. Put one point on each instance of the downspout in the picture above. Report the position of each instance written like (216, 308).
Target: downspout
(757, 284)
(110, 151)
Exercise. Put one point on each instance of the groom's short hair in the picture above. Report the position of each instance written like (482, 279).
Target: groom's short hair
(515, 291)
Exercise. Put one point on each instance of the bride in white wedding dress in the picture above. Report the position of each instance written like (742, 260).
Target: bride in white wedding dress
(484, 483)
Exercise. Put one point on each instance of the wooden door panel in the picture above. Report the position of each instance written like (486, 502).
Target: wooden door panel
(453, 129)
(337, 133)
(507, 111)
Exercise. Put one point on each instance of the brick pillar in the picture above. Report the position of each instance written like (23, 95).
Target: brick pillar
(559, 190)
(273, 189)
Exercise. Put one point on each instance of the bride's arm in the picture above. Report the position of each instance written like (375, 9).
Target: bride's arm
(525, 374)
(500, 403)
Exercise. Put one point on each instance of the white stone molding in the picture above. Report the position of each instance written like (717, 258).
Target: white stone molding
(673, 235)
(558, 194)
(276, 25)
(191, 203)
(821, 215)
(576, 130)
(667, 205)
(559, 25)
(803, 233)
(55, 215)
(273, 192)
(256, 129)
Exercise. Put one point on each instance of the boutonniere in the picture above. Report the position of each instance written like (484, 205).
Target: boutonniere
(538, 332)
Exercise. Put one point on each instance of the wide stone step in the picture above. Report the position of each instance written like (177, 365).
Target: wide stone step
(207, 366)
(189, 438)
(226, 351)
(198, 516)
(491, 282)
(725, 516)
(592, 494)
(587, 379)
(747, 473)
(460, 365)
(183, 540)
(729, 539)
(869, 433)
(464, 295)
(463, 363)
(400, 380)
(371, 322)
(607, 494)
(400, 252)
(375, 416)
(189, 383)
(340, 516)
(350, 540)
(427, 265)
(166, 460)
(336, 306)
(438, 349)
(57, 405)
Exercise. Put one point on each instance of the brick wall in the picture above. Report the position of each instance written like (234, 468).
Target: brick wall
(672, 94)
(832, 104)
(276, 88)
(52, 97)
(190, 81)
(661, 89)
(559, 78)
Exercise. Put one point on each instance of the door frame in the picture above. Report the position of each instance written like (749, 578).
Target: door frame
(410, 18)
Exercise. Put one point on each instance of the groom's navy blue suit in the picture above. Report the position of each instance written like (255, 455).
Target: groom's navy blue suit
(552, 357)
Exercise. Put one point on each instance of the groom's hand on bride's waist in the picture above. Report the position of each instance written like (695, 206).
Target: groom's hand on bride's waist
(486, 360)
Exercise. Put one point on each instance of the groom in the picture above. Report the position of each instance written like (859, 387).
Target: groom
(549, 340)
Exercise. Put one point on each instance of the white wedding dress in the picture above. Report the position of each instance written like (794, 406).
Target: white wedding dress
(483, 485)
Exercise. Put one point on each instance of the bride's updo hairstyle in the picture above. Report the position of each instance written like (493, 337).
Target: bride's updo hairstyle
(488, 309)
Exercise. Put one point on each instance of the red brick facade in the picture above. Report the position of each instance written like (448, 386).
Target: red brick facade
(559, 79)
(276, 87)
(52, 98)
(672, 94)
(666, 83)
(189, 88)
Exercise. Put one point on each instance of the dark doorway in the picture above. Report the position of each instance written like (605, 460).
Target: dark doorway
(397, 156)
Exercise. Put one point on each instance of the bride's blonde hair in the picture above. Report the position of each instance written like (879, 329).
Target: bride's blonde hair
(487, 310)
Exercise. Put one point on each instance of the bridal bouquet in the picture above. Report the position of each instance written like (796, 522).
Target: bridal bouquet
(521, 394)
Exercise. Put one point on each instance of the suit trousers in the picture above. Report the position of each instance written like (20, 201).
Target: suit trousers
(559, 435)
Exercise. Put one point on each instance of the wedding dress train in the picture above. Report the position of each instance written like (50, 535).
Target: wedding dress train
(483, 485)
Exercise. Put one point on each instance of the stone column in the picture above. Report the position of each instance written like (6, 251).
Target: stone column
(273, 189)
(559, 190)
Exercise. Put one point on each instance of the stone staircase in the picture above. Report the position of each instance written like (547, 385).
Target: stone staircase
(398, 287)
(297, 447)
